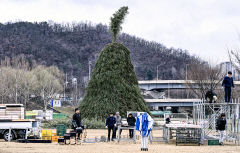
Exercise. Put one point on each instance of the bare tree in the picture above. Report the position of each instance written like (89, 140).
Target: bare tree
(27, 86)
(19, 80)
(47, 84)
(203, 77)
(234, 56)
(4, 90)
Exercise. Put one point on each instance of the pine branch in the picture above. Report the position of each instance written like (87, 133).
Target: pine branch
(116, 21)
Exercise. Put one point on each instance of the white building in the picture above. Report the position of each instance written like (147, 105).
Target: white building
(227, 66)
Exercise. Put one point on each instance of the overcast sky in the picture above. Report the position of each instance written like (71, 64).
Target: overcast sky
(206, 28)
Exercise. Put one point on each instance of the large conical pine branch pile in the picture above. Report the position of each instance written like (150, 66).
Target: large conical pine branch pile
(113, 86)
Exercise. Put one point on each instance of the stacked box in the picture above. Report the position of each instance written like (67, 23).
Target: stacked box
(22, 113)
(47, 133)
(16, 111)
(12, 111)
(55, 138)
(46, 138)
(2, 110)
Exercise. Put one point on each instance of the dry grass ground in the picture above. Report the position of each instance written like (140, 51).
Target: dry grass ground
(112, 147)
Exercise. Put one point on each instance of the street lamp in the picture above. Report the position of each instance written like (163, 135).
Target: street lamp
(157, 71)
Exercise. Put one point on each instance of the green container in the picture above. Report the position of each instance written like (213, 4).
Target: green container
(61, 129)
(213, 142)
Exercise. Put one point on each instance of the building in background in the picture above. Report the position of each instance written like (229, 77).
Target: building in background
(56, 103)
(227, 66)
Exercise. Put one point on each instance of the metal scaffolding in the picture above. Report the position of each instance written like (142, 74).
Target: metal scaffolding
(206, 115)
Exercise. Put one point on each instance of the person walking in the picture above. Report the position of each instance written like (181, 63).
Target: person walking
(110, 124)
(131, 122)
(76, 122)
(227, 83)
(118, 123)
(221, 126)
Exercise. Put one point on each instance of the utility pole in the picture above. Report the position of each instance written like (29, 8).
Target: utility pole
(16, 88)
(89, 69)
(168, 91)
(157, 71)
(76, 96)
(186, 79)
(65, 85)
(75, 91)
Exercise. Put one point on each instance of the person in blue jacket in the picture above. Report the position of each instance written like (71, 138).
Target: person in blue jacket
(227, 83)
(110, 124)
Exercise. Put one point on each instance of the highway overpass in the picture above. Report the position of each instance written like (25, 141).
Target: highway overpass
(168, 84)
(158, 104)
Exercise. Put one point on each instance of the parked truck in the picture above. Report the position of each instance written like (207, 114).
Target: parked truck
(14, 126)
(19, 129)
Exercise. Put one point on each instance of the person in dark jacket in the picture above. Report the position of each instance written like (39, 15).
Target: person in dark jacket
(221, 126)
(110, 124)
(76, 122)
(168, 120)
(227, 83)
(131, 122)
(211, 96)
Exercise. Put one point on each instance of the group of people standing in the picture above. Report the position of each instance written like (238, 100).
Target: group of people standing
(143, 123)
(114, 121)
(211, 96)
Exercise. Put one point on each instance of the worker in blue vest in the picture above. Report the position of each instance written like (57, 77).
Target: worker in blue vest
(227, 83)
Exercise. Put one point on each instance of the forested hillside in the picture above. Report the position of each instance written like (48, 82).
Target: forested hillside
(70, 47)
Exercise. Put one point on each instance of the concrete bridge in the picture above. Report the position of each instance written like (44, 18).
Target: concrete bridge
(168, 84)
(161, 104)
